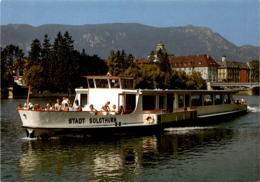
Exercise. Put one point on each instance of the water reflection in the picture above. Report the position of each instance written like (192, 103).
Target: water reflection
(116, 158)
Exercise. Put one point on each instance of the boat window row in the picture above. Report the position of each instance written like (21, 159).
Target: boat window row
(110, 83)
(171, 101)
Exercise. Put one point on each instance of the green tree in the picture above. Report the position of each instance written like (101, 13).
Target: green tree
(164, 62)
(34, 77)
(118, 62)
(254, 67)
(198, 81)
(178, 80)
(46, 49)
(152, 56)
(12, 58)
(145, 76)
(61, 66)
(45, 57)
(35, 52)
(68, 41)
(61, 62)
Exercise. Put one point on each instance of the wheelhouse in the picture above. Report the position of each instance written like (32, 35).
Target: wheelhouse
(118, 90)
(111, 82)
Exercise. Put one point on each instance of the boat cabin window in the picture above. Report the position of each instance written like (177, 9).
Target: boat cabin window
(101, 83)
(161, 102)
(227, 99)
(170, 101)
(208, 99)
(187, 100)
(196, 100)
(83, 99)
(181, 100)
(114, 83)
(91, 83)
(130, 103)
(127, 83)
(148, 102)
(218, 99)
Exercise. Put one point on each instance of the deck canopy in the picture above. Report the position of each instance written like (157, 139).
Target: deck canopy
(107, 81)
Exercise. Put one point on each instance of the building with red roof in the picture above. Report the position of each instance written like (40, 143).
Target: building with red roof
(203, 64)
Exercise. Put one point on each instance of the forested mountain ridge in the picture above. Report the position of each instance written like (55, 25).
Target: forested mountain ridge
(134, 38)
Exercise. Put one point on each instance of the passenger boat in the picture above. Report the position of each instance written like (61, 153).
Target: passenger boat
(145, 110)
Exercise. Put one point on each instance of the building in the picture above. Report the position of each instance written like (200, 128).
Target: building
(153, 57)
(203, 64)
(231, 71)
(244, 72)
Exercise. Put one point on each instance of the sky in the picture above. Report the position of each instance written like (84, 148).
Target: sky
(236, 20)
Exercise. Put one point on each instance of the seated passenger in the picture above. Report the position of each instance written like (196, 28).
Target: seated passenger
(113, 111)
(93, 111)
(37, 107)
(48, 107)
(76, 106)
(70, 108)
(57, 105)
(106, 108)
(243, 101)
(121, 110)
(65, 107)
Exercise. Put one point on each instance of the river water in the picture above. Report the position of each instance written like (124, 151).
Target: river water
(226, 152)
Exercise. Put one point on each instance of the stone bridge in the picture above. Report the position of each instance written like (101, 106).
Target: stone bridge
(252, 88)
(235, 84)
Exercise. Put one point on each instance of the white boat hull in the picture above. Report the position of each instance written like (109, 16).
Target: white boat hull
(42, 123)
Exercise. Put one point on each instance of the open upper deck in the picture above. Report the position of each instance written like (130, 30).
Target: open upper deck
(111, 82)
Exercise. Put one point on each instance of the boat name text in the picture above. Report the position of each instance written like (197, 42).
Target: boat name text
(76, 120)
(92, 120)
(102, 120)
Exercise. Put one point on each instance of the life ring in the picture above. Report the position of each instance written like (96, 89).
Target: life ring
(150, 120)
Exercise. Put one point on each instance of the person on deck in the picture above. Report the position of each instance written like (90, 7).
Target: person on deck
(57, 105)
(106, 108)
(65, 100)
(113, 111)
(93, 111)
(121, 110)
(76, 106)
(66, 107)
(70, 108)
(49, 107)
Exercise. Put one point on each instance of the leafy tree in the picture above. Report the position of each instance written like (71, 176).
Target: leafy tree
(34, 77)
(152, 56)
(118, 62)
(178, 79)
(145, 76)
(164, 62)
(254, 70)
(198, 81)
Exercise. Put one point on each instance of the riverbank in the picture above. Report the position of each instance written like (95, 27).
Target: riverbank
(22, 93)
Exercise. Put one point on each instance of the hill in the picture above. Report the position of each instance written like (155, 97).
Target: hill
(134, 38)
